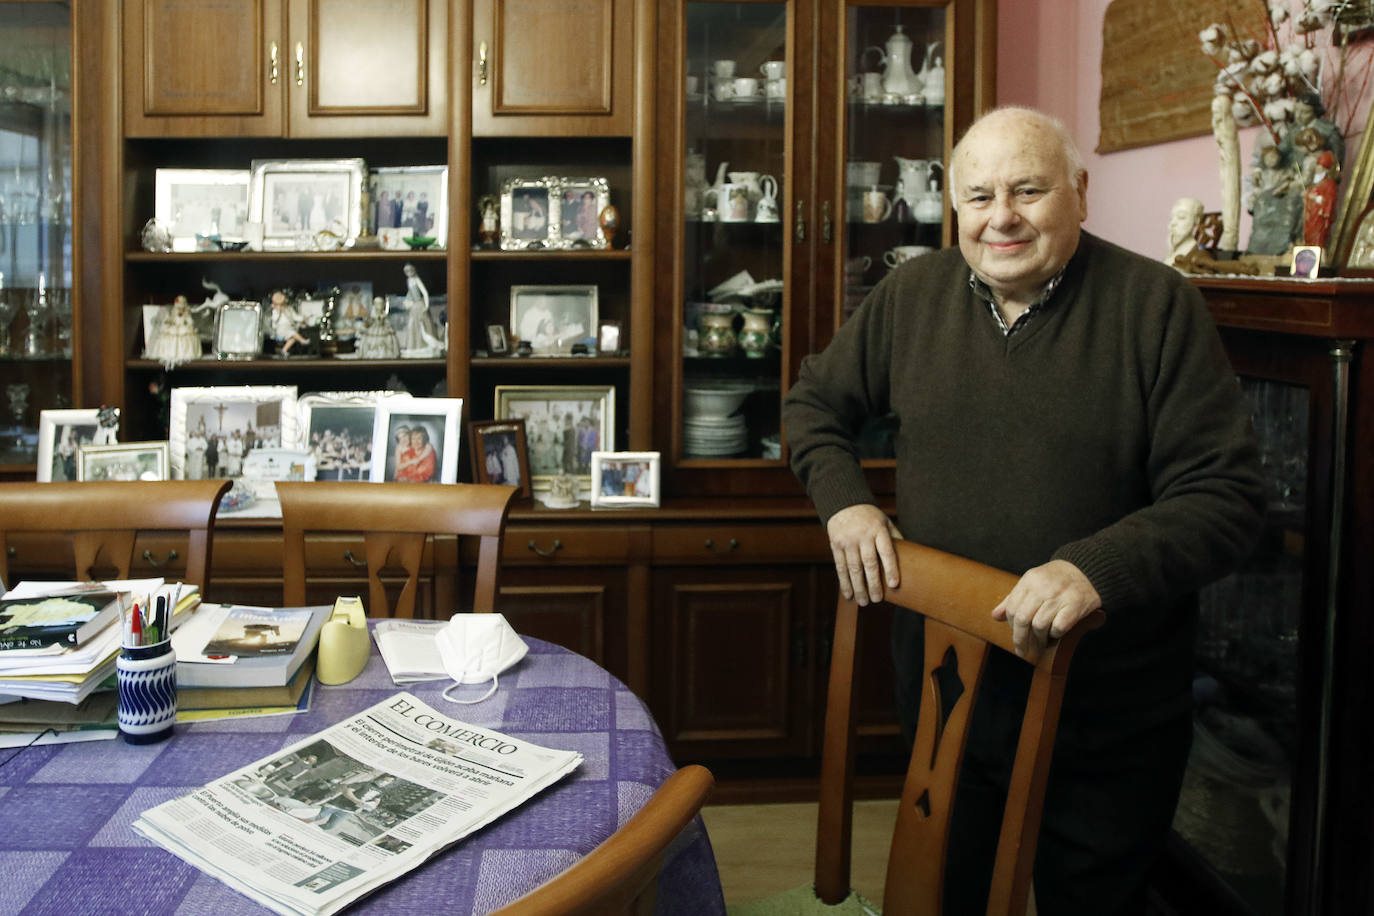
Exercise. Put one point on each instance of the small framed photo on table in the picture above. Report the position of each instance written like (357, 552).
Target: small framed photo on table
(62, 433)
(191, 202)
(580, 202)
(497, 343)
(564, 424)
(124, 461)
(528, 219)
(553, 318)
(500, 453)
(608, 338)
(416, 440)
(625, 479)
(1307, 262)
(296, 198)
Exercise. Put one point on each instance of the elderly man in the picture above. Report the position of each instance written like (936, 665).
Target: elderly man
(1067, 412)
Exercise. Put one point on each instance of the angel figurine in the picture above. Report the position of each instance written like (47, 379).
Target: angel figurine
(284, 324)
(176, 340)
(377, 340)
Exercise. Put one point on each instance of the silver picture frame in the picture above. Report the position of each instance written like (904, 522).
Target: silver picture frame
(529, 213)
(238, 330)
(302, 201)
(204, 202)
(553, 317)
(580, 202)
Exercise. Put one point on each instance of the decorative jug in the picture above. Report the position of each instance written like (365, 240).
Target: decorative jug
(930, 208)
(759, 186)
(717, 333)
(757, 333)
(895, 59)
(914, 177)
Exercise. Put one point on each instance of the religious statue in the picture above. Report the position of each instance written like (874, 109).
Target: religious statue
(1183, 223)
(1308, 114)
(1228, 150)
(489, 225)
(1275, 204)
(1320, 204)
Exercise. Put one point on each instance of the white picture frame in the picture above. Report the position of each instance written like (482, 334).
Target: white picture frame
(335, 425)
(423, 190)
(296, 198)
(625, 479)
(124, 461)
(580, 202)
(191, 202)
(61, 433)
(437, 419)
(554, 317)
(264, 416)
(547, 410)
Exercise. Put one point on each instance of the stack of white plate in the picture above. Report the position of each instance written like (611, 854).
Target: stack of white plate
(710, 437)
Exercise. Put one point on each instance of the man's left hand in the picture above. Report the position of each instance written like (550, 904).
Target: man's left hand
(1045, 604)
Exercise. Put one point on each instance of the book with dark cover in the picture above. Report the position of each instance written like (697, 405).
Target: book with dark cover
(66, 620)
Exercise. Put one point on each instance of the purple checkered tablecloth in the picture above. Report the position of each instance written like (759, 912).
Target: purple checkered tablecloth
(67, 848)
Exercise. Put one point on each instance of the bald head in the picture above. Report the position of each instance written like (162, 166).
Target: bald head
(1018, 119)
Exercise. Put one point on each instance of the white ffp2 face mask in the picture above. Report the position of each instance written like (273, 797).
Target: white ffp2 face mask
(475, 648)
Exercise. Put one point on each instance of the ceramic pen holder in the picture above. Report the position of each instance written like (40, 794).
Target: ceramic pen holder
(147, 681)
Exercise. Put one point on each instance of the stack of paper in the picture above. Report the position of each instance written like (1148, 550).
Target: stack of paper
(410, 650)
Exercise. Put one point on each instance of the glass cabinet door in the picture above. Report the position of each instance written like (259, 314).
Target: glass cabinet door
(735, 252)
(35, 223)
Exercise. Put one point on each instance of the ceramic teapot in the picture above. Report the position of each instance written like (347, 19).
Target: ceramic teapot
(694, 181)
(930, 207)
(914, 176)
(895, 60)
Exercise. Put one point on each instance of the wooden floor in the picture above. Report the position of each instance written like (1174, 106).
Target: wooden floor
(764, 849)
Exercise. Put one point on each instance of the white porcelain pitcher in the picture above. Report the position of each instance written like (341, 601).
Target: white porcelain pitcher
(914, 177)
(895, 59)
(759, 185)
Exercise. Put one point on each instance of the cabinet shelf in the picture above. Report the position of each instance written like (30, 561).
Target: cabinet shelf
(184, 257)
(309, 364)
(552, 363)
(553, 254)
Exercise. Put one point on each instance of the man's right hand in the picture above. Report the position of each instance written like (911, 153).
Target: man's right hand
(861, 540)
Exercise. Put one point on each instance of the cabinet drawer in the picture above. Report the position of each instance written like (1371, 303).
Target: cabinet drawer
(261, 555)
(526, 546)
(800, 542)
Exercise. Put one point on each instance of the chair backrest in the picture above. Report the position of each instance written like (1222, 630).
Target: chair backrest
(956, 597)
(620, 875)
(395, 520)
(103, 519)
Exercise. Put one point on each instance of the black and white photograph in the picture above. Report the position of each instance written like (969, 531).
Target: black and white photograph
(553, 318)
(300, 197)
(62, 433)
(497, 345)
(413, 197)
(500, 454)
(238, 330)
(336, 428)
(526, 217)
(416, 440)
(213, 429)
(564, 425)
(206, 202)
(581, 201)
(625, 479)
(124, 461)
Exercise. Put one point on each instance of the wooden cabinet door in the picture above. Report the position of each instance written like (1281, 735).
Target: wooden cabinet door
(552, 69)
(198, 68)
(579, 608)
(733, 653)
(367, 68)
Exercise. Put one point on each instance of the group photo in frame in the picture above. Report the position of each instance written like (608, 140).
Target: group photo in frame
(625, 479)
(337, 429)
(413, 197)
(213, 429)
(553, 317)
(62, 433)
(205, 202)
(564, 425)
(580, 202)
(500, 453)
(300, 197)
(416, 440)
(527, 217)
(238, 330)
(124, 461)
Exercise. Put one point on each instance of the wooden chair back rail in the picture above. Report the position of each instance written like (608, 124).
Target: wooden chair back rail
(956, 596)
(395, 520)
(620, 875)
(104, 518)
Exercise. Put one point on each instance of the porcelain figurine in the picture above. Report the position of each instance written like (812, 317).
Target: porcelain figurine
(377, 340)
(176, 340)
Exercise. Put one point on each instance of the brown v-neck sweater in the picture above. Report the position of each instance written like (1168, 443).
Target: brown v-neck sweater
(1110, 432)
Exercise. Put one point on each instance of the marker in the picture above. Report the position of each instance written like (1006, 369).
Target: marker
(136, 628)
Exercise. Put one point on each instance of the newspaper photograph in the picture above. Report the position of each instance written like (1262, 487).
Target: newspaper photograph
(332, 817)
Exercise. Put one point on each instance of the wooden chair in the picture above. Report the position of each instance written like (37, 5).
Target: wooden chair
(956, 596)
(395, 520)
(620, 876)
(104, 518)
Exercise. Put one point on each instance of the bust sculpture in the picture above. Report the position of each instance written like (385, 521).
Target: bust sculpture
(1183, 223)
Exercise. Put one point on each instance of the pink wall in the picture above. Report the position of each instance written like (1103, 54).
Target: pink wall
(1129, 192)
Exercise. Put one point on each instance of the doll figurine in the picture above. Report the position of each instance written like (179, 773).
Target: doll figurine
(176, 340)
(284, 324)
(377, 340)
(419, 338)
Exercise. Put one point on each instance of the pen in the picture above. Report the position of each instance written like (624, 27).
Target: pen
(136, 628)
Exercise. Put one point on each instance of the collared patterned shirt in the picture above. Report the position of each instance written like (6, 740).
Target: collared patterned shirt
(982, 291)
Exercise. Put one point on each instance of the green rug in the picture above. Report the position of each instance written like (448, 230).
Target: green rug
(802, 901)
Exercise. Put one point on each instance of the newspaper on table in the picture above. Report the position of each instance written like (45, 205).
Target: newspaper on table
(342, 812)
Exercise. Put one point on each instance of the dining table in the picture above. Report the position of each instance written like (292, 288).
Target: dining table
(67, 845)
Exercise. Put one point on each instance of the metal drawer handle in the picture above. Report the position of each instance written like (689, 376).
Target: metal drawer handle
(358, 564)
(482, 64)
(733, 545)
(300, 64)
(557, 546)
(148, 558)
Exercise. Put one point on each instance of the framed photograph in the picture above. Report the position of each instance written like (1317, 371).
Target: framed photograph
(415, 196)
(580, 202)
(500, 453)
(608, 338)
(213, 429)
(336, 428)
(61, 433)
(1307, 261)
(416, 440)
(351, 306)
(553, 318)
(124, 461)
(497, 344)
(625, 479)
(193, 202)
(296, 198)
(528, 219)
(564, 424)
(238, 330)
